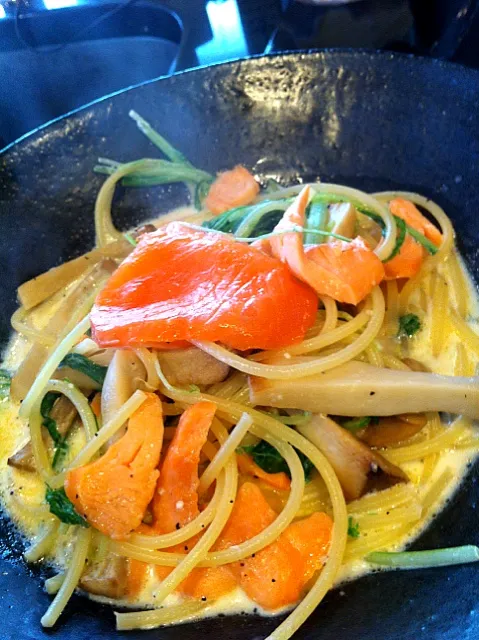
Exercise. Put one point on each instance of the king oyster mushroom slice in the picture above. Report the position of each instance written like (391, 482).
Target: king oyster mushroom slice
(359, 389)
(126, 373)
(359, 469)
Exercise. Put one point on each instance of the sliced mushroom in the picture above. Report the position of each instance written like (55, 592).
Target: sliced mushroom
(191, 366)
(342, 219)
(392, 429)
(359, 469)
(42, 287)
(106, 578)
(64, 414)
(61, 320)
(359, 389)
(124, 376)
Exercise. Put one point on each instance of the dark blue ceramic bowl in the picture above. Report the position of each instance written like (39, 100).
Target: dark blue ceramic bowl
(376, 121)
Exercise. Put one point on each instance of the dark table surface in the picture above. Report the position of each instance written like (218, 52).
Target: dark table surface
(56, 55)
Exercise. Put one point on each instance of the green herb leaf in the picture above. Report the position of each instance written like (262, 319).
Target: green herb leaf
(61, 507)
(228, 221)
(61, 446)
(96, 372)
(271, 461)
(46, 406)
(409, 324)
(5, 380)
(59, 455)
(356, 424)
(353, 528)
(193, 388)
(401, 236)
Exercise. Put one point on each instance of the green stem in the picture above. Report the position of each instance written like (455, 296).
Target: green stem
(317, 219)
(425, 559)
(163, 145)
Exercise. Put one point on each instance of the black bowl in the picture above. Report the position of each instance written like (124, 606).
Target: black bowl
(373, 121)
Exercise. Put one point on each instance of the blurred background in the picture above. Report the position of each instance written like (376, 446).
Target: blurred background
(56, 55)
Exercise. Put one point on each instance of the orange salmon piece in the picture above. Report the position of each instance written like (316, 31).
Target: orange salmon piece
(350, 269)
(248, 466)
(175, 501)
(250, 515)
(411, 255)
(277, 575)
(231, 189)
(113, 492)
(181, 283)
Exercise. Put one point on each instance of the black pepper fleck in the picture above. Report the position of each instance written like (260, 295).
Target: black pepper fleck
(186, 547)
(177, 526)
(203, 598)
(372, 393)
(273, 579)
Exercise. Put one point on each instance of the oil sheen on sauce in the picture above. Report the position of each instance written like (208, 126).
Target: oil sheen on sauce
(21, 492)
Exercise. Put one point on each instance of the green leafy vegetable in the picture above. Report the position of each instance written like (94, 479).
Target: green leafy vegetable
(228, 221)
(353, 528)
(193, 388)
(409, 324)
(61, 507)
(425, 559)
(317, 217)
(271, 461)
(46, 406)
(251, 220)
(401, 236)
(96, 372)
(356, 424)
(267, 223)
(60, 443)
(5, 380)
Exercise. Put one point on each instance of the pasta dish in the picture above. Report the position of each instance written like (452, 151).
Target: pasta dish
(243, 402)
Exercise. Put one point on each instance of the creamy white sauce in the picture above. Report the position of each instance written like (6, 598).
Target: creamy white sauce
(20, 490)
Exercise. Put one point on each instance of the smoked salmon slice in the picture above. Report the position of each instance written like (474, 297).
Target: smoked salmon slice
(231, 189)
(181, 283)
(113, 492)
